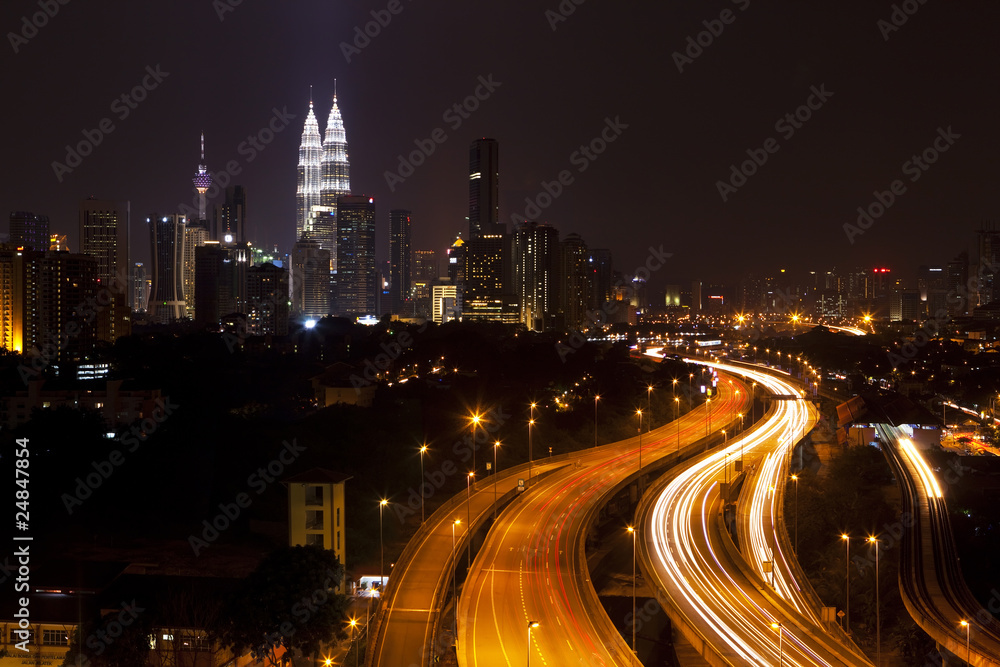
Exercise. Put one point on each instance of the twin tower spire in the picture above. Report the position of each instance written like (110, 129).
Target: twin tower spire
(324, 168)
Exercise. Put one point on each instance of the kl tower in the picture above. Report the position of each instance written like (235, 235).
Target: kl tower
(202, 182)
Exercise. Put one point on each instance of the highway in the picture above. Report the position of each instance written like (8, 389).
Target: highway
(421, 581)
(718, 598)
(930, 577)
(533, 568)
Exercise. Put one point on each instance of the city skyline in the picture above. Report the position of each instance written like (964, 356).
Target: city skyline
(668, 165)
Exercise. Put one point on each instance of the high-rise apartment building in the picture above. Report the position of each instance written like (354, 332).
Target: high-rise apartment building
(536, 248)
(575, 281)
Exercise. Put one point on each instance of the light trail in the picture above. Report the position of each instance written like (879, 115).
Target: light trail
(695, 571)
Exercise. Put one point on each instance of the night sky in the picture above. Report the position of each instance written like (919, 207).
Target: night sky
(656, 184)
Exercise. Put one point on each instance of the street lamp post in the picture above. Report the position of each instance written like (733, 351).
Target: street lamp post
(454, 575)
(354, 625)
(531, 422)
(708, 426)
(677, 418)
(531, 624)
(781, 655)
(423, 450)
(631, 531)
(878, 611)
(475, 422)
(968, 652)
(496, 446)
(649, 407)
(639, 412)
(468, 510)
(381, 548)
(597, 397)
(795, 478)
(847, 595)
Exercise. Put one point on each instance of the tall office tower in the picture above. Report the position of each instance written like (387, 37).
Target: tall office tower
(399, 258)
(310, 279)
(488, 290)
(195, 235)
(355, 287)
(322, 228)
(484, 179)
(989, 264)
(104, 234)
(12, 290)
(267, 300)
(456, 262)
(445, 298)
(575, 281)
(422, 277)
(335, 165)
(30, 231)
(58, 287)
(600, 263)
(231, 218)
(310, 172)
(140, 294)
(696, 297)
(202, 182)
(536, 248)
(166, 243)
(958, 284)
(216, 289)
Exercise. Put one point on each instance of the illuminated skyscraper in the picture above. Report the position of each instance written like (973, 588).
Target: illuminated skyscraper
(576, 280)
(399, 258)
(336, 168)
(29, 231)
(484, 177)
(536, 248)
(104, 234)
(231, 217)
(310, 172)
(166, 239)
(355, 287)
(202, 181)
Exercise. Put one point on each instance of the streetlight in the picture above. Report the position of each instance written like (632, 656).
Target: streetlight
(677, 418)
(468, 510)
(381, 547)
(847, 596)
(531, 422)
(631, 531)
(795, 478)
(708, 426)
(781, 655)
(878, 612)
(454, 576)
(476, 418)
(354, 624)
(531, 624)
(423, 450)
(597, 397)
(639, 412)
(649, 407)
(965, 624)
(496, 446)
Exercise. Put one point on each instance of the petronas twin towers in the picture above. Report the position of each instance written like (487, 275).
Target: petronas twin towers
(324, 175)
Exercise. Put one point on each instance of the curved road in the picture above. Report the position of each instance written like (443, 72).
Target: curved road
(532, 566)
(728, 608)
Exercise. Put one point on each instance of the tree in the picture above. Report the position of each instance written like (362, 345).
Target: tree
(288, 601)
(119, 639)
